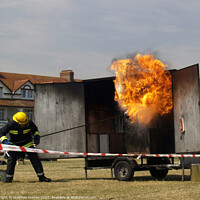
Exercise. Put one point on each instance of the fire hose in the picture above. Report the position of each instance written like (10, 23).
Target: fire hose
(5, 148)
(76, 127)
(80, 126)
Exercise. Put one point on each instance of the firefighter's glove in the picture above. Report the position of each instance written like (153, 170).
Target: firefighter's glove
(37, 140)
(6, 142)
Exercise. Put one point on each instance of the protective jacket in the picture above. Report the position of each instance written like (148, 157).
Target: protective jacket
(20, 136)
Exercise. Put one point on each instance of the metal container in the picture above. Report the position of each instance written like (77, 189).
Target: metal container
(195, 172)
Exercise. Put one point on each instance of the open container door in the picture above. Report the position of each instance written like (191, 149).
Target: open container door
(186, 110)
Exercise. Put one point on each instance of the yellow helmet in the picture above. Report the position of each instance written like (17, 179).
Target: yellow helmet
(21, 118)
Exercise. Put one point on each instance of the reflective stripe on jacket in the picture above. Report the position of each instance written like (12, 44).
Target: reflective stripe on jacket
(18, 135)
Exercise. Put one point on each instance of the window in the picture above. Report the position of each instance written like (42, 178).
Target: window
(2, 117)
(1, 92)
(29, 113)
(23, 93)
(2, 111)
(30, 94)
(26, 92)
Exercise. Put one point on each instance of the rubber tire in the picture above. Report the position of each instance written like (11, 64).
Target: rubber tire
(159, 174)
(123, 171)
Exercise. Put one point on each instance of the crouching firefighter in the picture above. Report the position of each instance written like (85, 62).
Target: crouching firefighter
(23, 132)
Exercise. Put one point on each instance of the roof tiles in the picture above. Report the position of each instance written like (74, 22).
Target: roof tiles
(14, 80)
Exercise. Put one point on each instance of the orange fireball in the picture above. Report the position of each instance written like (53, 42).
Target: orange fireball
(143, 87)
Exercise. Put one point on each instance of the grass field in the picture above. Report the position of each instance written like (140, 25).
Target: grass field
(68, 182)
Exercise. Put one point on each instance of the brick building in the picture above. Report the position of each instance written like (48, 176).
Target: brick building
(17, 92)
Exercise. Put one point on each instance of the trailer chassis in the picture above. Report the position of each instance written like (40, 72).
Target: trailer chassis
(124, 167)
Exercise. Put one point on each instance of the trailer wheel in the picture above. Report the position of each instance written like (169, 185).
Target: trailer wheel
(156, 173)
(123, 171)
(159, 174)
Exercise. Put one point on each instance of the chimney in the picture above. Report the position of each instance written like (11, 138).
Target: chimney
(67, 74)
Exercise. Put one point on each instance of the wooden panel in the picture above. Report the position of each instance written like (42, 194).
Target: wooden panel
(117, 143)
(161, 134)
(104, 143)
(59, 107)
(99, 120)
(137, 138)
(93, 143)
(186, 106)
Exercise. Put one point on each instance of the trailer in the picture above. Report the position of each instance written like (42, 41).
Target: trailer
(103, 127)
(124, 167)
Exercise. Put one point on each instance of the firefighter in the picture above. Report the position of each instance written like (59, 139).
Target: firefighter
(23, 132)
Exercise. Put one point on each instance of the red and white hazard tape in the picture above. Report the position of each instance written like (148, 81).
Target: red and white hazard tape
(5, 148)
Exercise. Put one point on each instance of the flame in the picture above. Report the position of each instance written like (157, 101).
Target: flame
(143, 87)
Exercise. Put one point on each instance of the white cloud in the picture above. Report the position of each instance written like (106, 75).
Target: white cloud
(179, 56)
(169, 29)
(39, 35)
(36, 6)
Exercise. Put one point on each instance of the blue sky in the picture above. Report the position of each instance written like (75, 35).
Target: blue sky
(46, 36)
